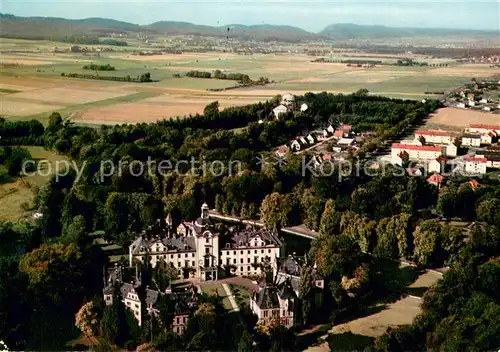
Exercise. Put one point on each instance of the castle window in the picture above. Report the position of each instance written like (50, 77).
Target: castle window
(186, 255)
(207, 250)
(234, 252)
(192, 255)
(194, 263)
(234, 261)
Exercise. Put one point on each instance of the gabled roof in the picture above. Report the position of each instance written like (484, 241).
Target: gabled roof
(435, 178)
(475, 160)
(484, 126)
(338, 133)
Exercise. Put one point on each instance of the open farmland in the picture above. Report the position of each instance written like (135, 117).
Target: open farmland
(32, 86)
(455, 118)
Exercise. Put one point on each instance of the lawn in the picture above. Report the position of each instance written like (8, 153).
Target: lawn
(241, 295)
(218, 290)
(18, 195)
(348, 341)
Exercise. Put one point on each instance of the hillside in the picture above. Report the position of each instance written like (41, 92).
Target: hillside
(344, 31)
(58, 28)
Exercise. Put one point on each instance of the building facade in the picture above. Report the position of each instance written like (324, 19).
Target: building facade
(416, 152)
(435, 136)
(196, 250)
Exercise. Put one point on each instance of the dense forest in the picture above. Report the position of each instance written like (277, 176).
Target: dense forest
(366, 222)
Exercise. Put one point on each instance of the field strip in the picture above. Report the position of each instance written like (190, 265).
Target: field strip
(67, 111)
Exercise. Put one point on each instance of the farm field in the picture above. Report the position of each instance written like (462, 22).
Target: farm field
(14, 195)
(31, 85)
(457, 119)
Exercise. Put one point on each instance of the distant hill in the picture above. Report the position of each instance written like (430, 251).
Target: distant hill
(59, 28)
(344, 31)
(56, 28)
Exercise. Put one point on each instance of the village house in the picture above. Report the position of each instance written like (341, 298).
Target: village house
(471, 140)
(487, 138)
(338, 134)
(483, 101)
(435, 136)
(436, 180)
(461, 105)
(487, 108)
(471, 103)
(475, 165)
(346, 143)
(296, 146)
(287, 99)
(195, 251)
(330, 129)
(280, 110)
(281, 151)
(416, 152)
(436, 165)
(304, 107)
(450, 150)
(310, 139)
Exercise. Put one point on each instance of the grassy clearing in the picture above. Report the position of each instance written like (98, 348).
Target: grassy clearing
(241, 295)
(349, 342)
(218, 290)
(66, 112)
(18, 195)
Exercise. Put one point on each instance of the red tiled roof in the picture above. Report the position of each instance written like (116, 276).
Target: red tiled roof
(478, 160)
(338, 133)
(428, 148)
(474, 184)
(327, 157)
(486, 127)
(436, 178)
(346, 127)
(433, 133)
(283, 149)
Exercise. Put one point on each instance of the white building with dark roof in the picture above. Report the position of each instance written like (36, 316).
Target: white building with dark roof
(141, 300)
(196, 250)
(274, 302)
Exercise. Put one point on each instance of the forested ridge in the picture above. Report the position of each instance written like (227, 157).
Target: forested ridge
(365, 223)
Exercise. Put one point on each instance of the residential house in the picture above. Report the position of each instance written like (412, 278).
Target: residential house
(330, 129)
(487, 138)
(461, 106)
(470, 96)
(412, 171)
(416, 152)
(436, 179)
(483, 101)
(483, 128)
(346, 143)
(310, 139)
(471, 140)
(193, 248)
(487, 108)
(296, 146)
(275, 302)
(303, 140)
(435, 136)
(288, 99)
(493, 159)
(475, 165)
(450, 150)
(471, 103)
(304, 107)
(280, 110)
(338, 134)
(436, 165)
(281, 151)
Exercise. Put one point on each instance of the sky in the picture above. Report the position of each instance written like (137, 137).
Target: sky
(312, 15)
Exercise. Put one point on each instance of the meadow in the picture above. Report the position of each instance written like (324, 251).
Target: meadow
(31, 85)
(17, 196)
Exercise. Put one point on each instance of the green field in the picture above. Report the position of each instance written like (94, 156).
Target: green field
(18, 195)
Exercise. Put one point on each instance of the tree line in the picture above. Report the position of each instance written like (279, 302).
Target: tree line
(96, 67)
(144, 78)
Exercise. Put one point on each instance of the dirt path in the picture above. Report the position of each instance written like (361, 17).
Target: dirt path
(230, 296)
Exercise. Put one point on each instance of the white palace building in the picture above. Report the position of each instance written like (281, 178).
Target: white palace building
(197, 249)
